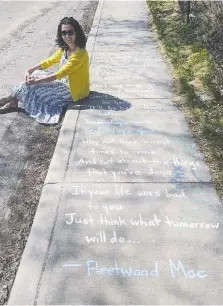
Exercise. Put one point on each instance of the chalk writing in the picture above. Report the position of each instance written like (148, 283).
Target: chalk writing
(140, 222)
(157, 193)
(107, 208)
(119, 221)
(179, 268)
(159, 172)
(141, 160)
(137, 221)
(190, 225)
(122, 77)
(125, 87)
(176, 269)
(102, 237)
(166, 141)
(123, 191)
(148, 193)
(133, 142)
(97, 192)
(71, 218)
(93, 268)
(114, 173)
(177, 194)
(122, 106)
(124, 131)
(119, 123)
(107, 152)
(175, 161)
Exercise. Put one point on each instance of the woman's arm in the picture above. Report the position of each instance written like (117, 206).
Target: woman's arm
(38, 66)
(52, 60)
(75, 61)
(49, 78)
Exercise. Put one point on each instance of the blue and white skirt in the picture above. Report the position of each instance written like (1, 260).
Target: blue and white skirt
(43, 102)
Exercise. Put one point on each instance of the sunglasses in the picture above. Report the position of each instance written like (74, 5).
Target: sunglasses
(69, 32)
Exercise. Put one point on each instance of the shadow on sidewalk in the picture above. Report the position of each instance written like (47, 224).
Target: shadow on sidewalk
(98, 100)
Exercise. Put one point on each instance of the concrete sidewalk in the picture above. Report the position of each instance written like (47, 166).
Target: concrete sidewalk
(128, 213)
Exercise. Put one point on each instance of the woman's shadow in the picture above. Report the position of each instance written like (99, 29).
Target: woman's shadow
(97, 100)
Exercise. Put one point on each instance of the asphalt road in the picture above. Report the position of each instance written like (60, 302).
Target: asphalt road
(27, 35)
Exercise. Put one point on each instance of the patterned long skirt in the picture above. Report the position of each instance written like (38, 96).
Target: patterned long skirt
(43, 102)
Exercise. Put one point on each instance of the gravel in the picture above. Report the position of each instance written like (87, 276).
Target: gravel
(22, 205)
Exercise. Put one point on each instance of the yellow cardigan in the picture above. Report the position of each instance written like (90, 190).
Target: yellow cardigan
(77, 70)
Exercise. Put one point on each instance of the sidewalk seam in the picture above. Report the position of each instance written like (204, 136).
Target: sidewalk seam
(48, 248)
(68, 159)
(92, 50)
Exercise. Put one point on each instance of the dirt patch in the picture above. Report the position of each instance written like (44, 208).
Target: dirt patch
(23, 204)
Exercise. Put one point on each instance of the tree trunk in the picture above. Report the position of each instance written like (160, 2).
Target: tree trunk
(182, 5)
(188, 11)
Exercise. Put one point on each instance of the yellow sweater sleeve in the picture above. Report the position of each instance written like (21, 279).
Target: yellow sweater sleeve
(52, 60)
(74, 62)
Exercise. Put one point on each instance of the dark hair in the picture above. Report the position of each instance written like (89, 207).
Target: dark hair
(80, 36)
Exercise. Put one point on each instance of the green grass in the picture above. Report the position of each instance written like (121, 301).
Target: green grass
(194, 78)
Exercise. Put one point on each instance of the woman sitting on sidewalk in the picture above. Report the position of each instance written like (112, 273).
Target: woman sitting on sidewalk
(43, 95)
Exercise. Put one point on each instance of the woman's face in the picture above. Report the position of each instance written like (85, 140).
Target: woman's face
(68, 34)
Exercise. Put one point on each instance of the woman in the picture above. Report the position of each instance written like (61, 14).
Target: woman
(44, 95)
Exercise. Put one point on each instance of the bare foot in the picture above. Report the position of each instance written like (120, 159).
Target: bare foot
(12, 104)
(5, 99)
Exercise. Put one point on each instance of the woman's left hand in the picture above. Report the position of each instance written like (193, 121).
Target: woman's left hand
(32, 80)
